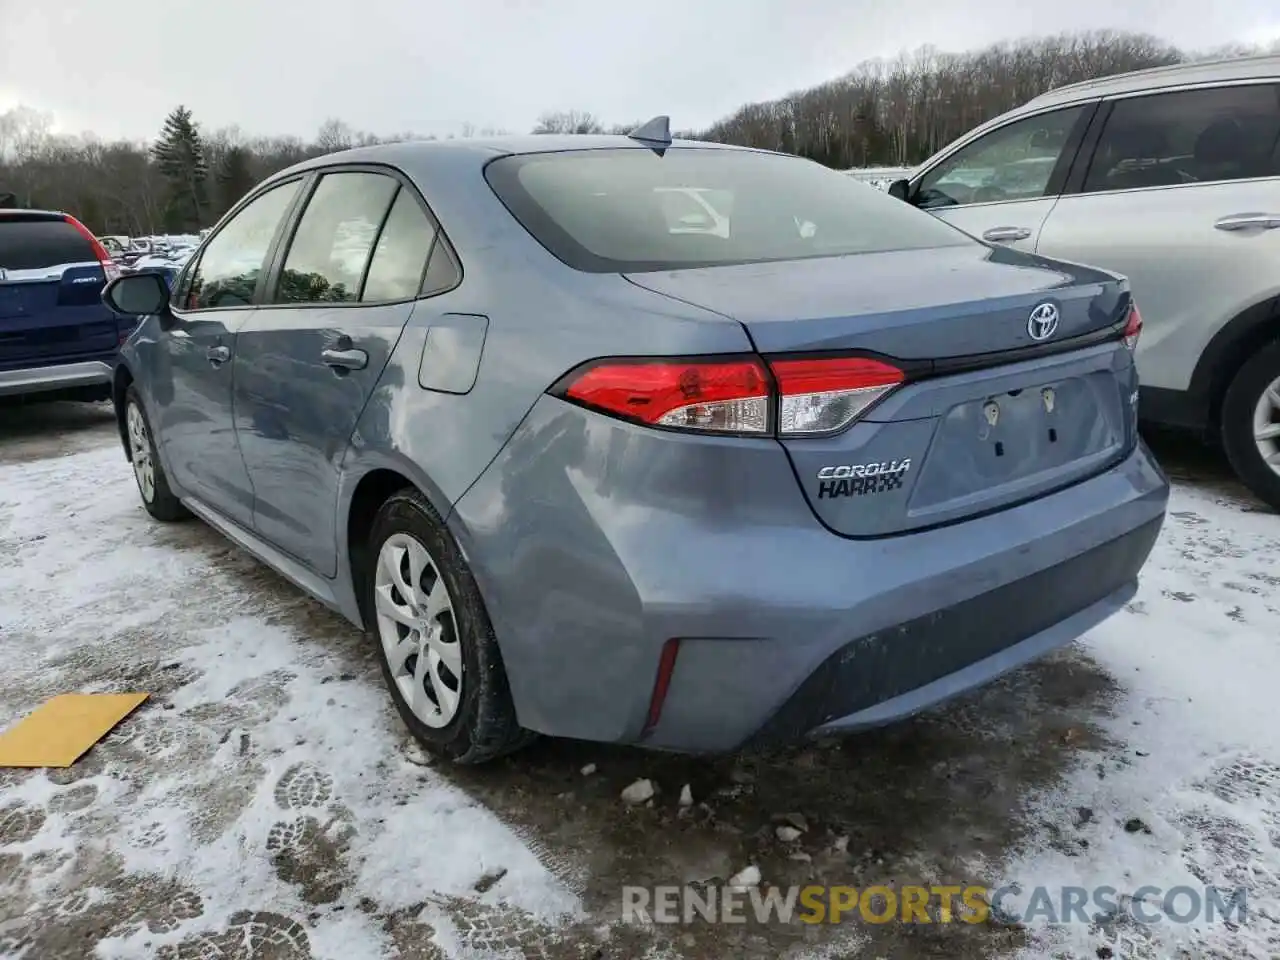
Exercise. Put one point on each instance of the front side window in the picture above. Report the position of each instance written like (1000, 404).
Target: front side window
(335, 238)
(1014, 162)
(1191, 136)
(610, 211)
(235, 257)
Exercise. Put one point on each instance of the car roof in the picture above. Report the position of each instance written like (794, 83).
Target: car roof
(1226, 70)
(1157, 78)
(32, 216)
(411, 153)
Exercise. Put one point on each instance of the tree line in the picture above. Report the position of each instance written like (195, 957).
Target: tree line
(884, 112)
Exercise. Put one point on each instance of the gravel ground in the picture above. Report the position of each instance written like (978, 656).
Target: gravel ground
(265, 803)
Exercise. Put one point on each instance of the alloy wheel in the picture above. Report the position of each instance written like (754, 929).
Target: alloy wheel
(416, 627)
(144, 469)
(1266, 426)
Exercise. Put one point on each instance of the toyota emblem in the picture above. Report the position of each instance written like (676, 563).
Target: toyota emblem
(1043, 322)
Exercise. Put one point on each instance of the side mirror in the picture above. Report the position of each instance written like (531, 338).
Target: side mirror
(137, 295)
(899, 189)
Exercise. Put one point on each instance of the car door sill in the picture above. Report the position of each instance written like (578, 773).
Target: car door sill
(293, 571)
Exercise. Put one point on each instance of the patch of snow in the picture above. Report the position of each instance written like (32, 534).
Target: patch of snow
(638, 792)
(1196, 746)
(248, 741)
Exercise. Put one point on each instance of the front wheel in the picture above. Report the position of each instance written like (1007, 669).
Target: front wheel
(153, 485)
(439, 657)
(1251, 424)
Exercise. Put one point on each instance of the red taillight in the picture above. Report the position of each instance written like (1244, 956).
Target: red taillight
(827, 394)
(109, 266)
(724, 396)
(1133, 327)
(815, 396)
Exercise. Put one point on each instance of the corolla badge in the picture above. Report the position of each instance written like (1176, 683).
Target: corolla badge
(1043, 322)
(859, 479)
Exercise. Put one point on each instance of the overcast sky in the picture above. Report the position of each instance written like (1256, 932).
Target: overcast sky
(386, 66)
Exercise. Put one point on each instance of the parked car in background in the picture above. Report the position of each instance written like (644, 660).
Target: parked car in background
(879, 177)
(57, 338)
(1171, 177)
(116, 246)
(580, 472)
(164, 266)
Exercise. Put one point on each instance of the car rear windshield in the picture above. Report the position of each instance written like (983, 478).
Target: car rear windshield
(632, 210)
(28, 243)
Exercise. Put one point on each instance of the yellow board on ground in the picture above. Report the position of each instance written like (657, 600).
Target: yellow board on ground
(59, 731)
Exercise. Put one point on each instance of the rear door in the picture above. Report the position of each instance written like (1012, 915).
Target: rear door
(50, 293)
(307, 362)
(1001, 185)
(1181, 195)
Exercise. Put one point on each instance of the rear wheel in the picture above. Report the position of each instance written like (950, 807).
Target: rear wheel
(439, 657)
(153, 485)
(1251, 424)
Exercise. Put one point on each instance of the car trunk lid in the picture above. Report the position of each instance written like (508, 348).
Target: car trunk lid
(995, 409)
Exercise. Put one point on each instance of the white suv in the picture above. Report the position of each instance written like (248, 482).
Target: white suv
(1172, 177)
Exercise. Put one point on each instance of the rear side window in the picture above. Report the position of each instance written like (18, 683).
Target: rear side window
(1191, 136)
(400, 258)
(335, 238)
(234, 258)
(630, 210)
(28, 244)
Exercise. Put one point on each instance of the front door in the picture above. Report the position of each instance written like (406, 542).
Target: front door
(1001, 186)
(192, 387)
(308, 361)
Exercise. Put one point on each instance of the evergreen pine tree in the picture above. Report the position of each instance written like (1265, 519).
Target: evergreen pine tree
(179, 154)
(234, 178)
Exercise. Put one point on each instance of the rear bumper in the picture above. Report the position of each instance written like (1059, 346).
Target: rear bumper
(784, 628)
(892, 674)
(65, 376)
(953, 610)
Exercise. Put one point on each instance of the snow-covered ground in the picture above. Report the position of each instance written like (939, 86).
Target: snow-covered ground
(1187, 790)
(267, 804)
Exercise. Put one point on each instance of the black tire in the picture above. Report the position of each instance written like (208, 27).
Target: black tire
(484, 726)
(162, 505)
(1242, 398)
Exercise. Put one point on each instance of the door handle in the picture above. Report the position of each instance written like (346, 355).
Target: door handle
(345, 359)
(218, 355)
(1249, 221)
(1005, 234)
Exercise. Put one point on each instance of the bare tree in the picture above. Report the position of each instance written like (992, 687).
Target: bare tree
(568, 121)
(894, 112)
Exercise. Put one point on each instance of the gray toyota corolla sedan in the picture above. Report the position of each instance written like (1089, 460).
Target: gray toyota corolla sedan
(663, 443)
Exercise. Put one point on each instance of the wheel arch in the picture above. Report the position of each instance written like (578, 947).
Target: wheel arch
(1239, 338)
(121, 380)
(369, 490)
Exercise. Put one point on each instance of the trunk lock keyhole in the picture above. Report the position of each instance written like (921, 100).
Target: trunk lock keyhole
(991, 413)
(1048, 396)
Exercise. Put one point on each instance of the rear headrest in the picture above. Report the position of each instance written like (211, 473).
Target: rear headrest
(1221, 142)
(1139, 143)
